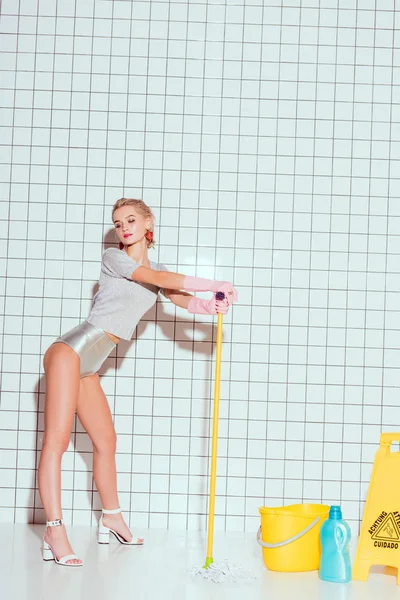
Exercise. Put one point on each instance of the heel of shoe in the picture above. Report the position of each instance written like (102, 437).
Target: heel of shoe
(103, 533)
(103, 538)
(47, 552)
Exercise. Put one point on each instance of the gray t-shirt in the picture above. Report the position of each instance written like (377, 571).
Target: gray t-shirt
(120, 302)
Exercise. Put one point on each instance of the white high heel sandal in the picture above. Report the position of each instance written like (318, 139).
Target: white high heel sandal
(49, 554)
(104, 532)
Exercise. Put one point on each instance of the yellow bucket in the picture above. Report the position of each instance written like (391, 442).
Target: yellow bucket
(289, 536)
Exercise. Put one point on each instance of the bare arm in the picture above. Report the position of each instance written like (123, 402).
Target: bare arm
(145, 275)
(181, 299)
(176, 281)
(162, 279)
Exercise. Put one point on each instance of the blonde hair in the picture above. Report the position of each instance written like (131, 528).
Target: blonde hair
(142, 208)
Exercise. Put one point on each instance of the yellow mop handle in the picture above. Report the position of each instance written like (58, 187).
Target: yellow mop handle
(217, 382)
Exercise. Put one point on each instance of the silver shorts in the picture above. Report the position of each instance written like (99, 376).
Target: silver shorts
(91, 344)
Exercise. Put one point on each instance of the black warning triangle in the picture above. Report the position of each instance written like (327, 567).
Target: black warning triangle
(388, 530)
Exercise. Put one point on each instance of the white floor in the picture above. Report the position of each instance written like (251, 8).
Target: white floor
(159, 570)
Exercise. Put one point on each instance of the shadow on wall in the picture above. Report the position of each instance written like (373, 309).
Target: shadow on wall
(186, 333)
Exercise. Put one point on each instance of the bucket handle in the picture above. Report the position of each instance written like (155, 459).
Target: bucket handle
(292, 539)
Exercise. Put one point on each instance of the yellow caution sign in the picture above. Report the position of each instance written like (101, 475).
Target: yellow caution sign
(379, 542)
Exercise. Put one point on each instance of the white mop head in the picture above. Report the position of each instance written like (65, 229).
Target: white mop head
(223, 571)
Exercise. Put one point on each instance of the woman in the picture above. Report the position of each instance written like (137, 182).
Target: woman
(129, 284)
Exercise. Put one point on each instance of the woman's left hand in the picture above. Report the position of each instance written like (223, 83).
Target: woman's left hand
(199, 306)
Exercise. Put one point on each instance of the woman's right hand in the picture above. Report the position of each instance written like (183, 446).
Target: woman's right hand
(227, 288)
(199, 284)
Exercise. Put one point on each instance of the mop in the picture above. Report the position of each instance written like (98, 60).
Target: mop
(222, 571)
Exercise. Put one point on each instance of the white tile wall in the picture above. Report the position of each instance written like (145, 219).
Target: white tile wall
(266, 136)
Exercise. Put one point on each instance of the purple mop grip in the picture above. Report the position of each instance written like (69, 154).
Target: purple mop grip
(220, 296)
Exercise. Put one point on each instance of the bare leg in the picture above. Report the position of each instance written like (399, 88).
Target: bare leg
(61, 365)
(95, 415)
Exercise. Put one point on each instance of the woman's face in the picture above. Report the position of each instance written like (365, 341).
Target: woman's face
(130, 225)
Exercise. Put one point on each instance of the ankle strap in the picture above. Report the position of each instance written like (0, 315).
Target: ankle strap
(54, 523)
(112, 512)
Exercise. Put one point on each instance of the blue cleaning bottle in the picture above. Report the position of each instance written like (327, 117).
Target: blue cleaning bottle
(335, 564)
